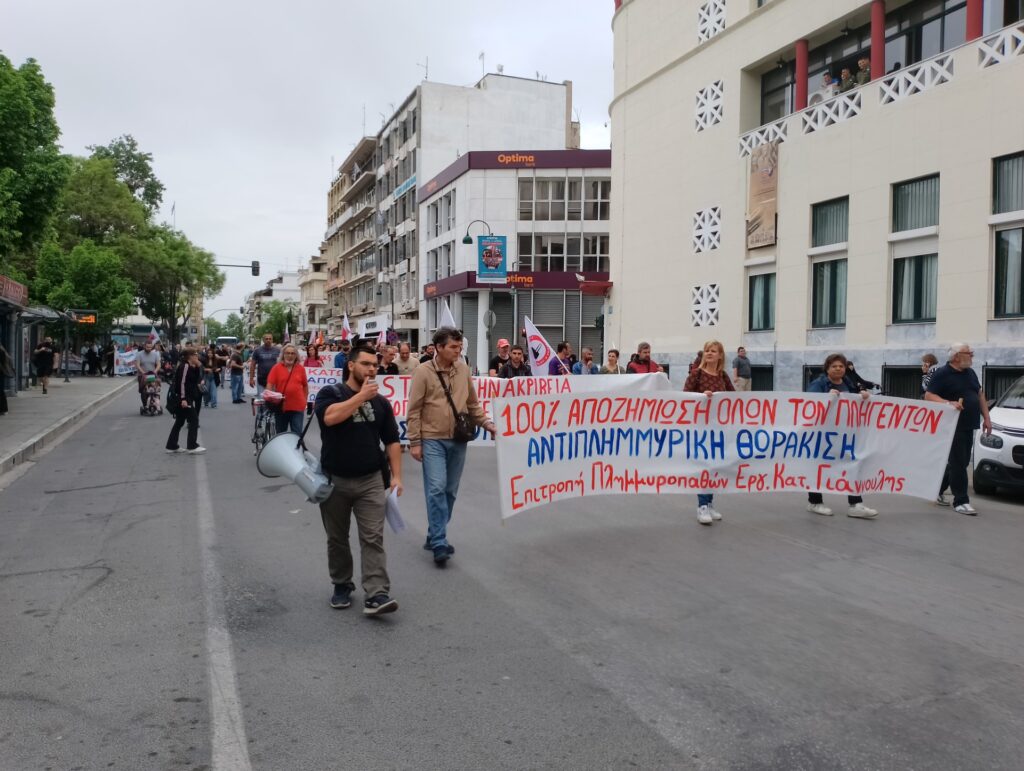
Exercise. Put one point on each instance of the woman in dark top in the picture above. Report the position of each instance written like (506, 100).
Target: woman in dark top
(706, 379)
(186, 397)
(834, 380)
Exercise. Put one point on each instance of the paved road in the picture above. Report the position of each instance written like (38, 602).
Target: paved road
(170, 612)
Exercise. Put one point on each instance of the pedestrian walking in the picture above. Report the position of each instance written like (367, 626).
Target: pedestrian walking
(186, 398)
(147, 362)
(211, 367)
(6, 371)
(741, 370)
(406, 361)
(835, 379)
(355, 421)
(263, 359)
(237, 366)
(957, 384)
(708, 378)
(42, 359)
(443, 413)
(289, 378)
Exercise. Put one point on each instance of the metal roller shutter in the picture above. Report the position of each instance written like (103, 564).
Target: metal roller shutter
(547, 315)
(501, 304)
(524, 303)
(572, 320)
(591, 335)
(469, 323)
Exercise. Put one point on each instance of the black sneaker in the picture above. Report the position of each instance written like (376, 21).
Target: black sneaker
(441, 556)
(342, 597)
(428, 547)
(375, 606)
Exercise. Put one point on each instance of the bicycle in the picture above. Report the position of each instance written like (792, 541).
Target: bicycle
(266, 426)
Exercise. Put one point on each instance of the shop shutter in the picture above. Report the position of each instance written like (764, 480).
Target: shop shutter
(547, 315)
(501, 304)
(469, 323)
(572, 320)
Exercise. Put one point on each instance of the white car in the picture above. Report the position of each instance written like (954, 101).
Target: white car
(999, 457)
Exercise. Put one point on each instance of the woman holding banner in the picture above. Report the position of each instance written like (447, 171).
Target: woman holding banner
(708, 378)
(834, 380)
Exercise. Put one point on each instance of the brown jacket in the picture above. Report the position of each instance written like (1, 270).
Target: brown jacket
(429, 414)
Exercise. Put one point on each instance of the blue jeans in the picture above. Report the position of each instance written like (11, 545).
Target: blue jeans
(704, 499)
(210, 398)
(288, 421)
(237, 389)
(443, 460)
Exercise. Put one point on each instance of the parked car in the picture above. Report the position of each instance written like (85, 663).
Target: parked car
(999, 456)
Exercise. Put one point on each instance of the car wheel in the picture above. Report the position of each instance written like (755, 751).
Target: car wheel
(982, 487)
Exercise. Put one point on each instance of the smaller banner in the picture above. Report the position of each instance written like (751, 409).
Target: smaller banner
(492, 262)
(563, 446)
(124, 362)
(763, 204)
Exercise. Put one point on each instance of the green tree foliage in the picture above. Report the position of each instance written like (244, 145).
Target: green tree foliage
(89, 276)
(134, 168)
(97, 206)
(234, 325)
(214, 328)
(32, 169)
(171, 274)
(277, 314)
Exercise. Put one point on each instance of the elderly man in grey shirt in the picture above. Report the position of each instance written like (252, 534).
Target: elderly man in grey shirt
(147, 360)
(741, 370)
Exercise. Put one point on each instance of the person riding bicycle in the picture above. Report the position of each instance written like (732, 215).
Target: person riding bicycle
(263, 359)
(147, 362)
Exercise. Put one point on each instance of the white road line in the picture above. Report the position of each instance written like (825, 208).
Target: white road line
(229, 750)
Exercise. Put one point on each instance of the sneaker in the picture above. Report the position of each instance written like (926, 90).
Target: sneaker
(860, 511)
(342, 597)
(966, 508)
(715, 514)
(942, 499)
(196, 451)
(704, 515)
(428, 547)
(375, 606)
(441, 556)
(176, 450)
(819, 508)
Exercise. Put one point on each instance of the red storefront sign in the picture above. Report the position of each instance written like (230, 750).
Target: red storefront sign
(12, 291)
(515, 280)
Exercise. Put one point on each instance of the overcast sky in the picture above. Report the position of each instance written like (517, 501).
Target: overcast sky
(243, 104)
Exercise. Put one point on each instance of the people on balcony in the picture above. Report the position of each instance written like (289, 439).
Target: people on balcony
(846, 81)
(863, 71)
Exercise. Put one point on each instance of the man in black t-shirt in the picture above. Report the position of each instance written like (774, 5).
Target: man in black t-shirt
(354, 422)
(499, 361)
(958, 385)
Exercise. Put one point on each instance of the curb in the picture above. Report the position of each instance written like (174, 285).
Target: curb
(52, 434)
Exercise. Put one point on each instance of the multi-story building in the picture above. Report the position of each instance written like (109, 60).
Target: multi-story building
(313, 299)
(553, 207)
(432, 128)
(799, 177)
(284, 287)
(349, 247)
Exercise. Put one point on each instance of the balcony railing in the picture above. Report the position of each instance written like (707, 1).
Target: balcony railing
(998, 48)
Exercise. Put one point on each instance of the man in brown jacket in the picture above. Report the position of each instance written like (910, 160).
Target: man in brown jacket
(431, 428)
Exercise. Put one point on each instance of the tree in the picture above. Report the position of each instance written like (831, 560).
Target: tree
(214, 328)
(171, 274)
(277, 316)
(235, 326)
(90, 276)
(134, 168)
(96, 206)
(32, 169)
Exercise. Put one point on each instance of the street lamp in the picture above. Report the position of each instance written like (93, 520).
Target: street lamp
(468, 239)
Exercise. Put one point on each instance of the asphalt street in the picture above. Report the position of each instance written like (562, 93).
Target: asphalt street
(171, 612)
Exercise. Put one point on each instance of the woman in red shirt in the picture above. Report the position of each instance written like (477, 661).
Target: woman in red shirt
(706, 379)
(289, 377)
(313, 357)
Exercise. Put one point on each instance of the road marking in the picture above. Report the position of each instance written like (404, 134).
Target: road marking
(229, 749)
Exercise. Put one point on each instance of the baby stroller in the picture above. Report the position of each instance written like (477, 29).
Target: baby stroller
(154, 404)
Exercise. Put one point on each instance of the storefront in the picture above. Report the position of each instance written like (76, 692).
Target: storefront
(13, 299)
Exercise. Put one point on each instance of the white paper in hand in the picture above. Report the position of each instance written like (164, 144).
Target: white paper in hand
(392, 513)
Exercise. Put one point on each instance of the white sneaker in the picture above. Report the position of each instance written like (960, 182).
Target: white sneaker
(715, 515)
(173, 452)
(941, 499)
(860, 511)
(966, 508)
(704, 515)
(196, 451)
(819, 508)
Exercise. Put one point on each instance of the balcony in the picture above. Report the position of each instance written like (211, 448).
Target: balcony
(364, 242)
(365, 179)
(1000, 47)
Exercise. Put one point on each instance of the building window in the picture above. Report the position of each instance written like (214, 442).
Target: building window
(525, 260)
(595, 254)
(526, 199)
(915, 204)
(1009, 279)
(914, 288)
(777, 92)
(762, 302)
(598, 206)
(574, 202)
(828, 303)
(830, 222)
(1008, 184)
(549, 199)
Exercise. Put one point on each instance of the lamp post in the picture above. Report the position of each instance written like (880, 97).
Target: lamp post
(489, 316)
(468, 239)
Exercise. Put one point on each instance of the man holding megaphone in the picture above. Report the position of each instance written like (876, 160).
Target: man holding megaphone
(354, 422)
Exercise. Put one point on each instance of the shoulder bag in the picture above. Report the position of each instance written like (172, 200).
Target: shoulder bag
(280, 407)
(465, 428)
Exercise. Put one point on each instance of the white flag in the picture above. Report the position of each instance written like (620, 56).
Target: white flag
(154, 336)
(346, 330)
(447, 319)
(540, 350)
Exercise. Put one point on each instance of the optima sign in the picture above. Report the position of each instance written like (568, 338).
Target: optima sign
(516, 159)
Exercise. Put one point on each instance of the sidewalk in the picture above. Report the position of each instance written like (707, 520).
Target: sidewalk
(36, 421)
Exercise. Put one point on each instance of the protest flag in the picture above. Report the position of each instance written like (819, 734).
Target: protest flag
(540, 350)
(447, 319)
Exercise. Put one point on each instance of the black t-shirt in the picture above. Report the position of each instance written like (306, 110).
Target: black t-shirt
(510, 370)
(390, 369)
(352, 448)
(496, 364)
(952, 384)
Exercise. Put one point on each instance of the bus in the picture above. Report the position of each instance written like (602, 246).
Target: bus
(229, 340)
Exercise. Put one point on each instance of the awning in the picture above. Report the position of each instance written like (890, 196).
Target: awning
(40, 314)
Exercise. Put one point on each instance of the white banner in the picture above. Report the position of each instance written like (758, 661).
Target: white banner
(124, 362)
(395, 388)
(555, 447)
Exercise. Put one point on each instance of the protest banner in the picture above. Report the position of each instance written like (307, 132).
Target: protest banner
(395, 388)
(568, 446)
(124, 362)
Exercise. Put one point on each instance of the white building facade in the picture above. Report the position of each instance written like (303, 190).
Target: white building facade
(283, 287)
(553, 207)
(312, 283)
(761, 205)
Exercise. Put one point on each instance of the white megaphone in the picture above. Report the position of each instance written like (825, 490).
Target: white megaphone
(283, 457)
